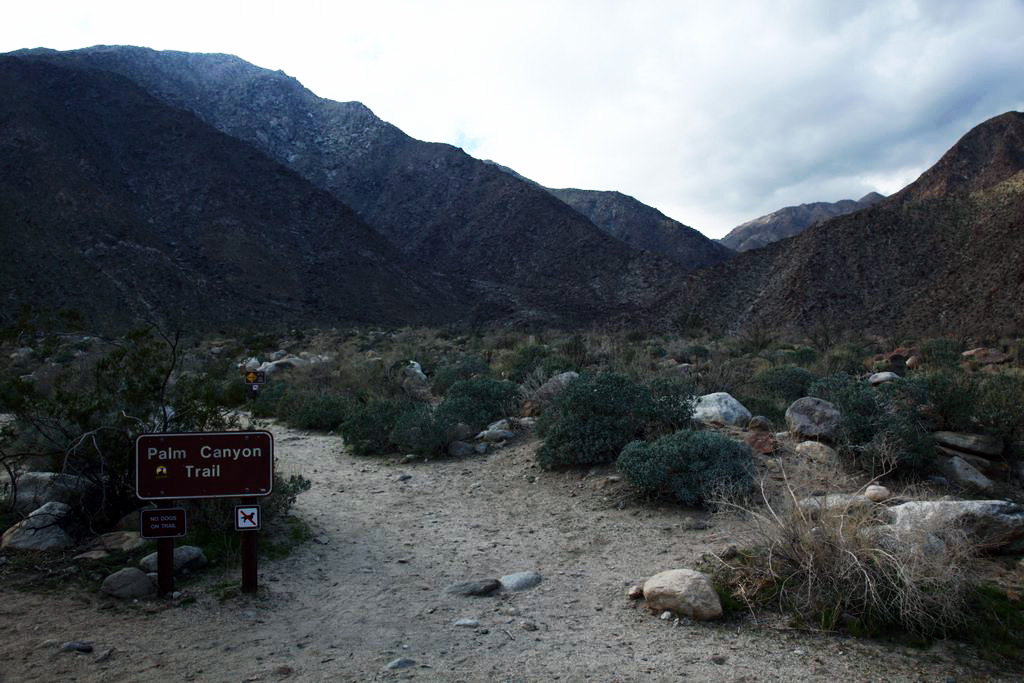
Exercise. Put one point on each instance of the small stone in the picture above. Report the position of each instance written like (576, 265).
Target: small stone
(466, 623)
(495, 435)
(479, 587)
(77, 646)
(283, 670)
(520, 581)
(185, 557)
(528, 626)
(129, 582)
(719, 659)
(104, 656)
(404, 477)
(408, 458)
(877, 494)
(666, 615)
(883, 378)
(817, 451)
(401, 663)
(175, 595)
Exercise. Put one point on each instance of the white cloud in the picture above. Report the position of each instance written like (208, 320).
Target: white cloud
(713, 112)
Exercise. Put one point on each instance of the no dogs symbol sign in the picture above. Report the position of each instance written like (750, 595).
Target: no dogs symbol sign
(247, 517)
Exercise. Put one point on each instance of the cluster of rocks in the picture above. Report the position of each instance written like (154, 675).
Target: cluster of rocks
(464, 443)
(141, 581)
(282, 360)
(46, 499)
(512, 583)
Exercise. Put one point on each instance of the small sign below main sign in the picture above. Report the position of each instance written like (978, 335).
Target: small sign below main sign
(247, 518)
(162, 523)
(204, 465)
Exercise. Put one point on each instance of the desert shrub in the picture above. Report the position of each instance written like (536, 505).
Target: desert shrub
(87, 424)
(310, 409)
(526, 359)
(863, 413)
(672, 404)
(802, 355)
(694, 353)
(575, 351)
(1000, 408)
(951, 395)
(693, 467)
(477, 402)
(883, 428)
(460, 368)
(266, 403)
(846, 359)
(367, 427)
(598, 414)
(838, 569)
(420, 430)
(787, 382)
(940, 353)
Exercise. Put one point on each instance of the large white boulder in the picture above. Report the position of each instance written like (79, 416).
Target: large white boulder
(684, 592)
(996, 525)
(720, 408)
(41, 530)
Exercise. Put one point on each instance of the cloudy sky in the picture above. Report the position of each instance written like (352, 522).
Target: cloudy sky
(713, 112)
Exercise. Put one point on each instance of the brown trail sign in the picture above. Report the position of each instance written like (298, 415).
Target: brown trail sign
(204, 465)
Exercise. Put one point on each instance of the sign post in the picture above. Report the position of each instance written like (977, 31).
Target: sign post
(202, 465)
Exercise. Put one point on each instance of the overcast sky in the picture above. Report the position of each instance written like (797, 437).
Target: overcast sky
(713, 112)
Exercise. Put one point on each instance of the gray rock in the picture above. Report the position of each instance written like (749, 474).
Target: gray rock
(466, 623)
(460, 449)
(683, 592)
(480, 448)
(520, 581)
(186, 557)
(495, 435)
(813, 418)
(554, 386)
(127, 583)
(459, 432)
(118, 541)
(478, 587)
(503, 424)
(414, 381)
(838, 503)
(877, 494)
(528, 626)
(401, 663)
(722, 409)
(278, 355)
(982, 444)
(965, 475)
(995, 525)
(883, 377)
(41, 530)
(817, 451)
(38, 488)
(405, 476)
(77, 646)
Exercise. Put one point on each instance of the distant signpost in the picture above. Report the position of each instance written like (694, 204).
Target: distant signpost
(202, 465)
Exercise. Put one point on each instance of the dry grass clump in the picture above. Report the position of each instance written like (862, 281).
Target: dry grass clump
(838, 566)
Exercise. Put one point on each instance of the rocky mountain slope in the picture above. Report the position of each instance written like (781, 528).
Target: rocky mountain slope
(792, 220)
(122, 209)
(516, 249)
(644, 227)
(945, 254)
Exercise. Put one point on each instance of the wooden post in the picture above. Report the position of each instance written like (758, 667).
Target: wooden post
(165, 565)
(249, 573)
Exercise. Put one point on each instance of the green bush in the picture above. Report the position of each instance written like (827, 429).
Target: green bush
(420, 430)
(1000, 409)
(693, 467)
(951, 395)
(847, 360)
(883, 428)
(802, 355)
(695, 353)
(526, 359)
(788, 382)
(596, 415)
(266, 403)
(463, 367)
(940, 353)
(312, 409)
(673, 401)
(367, 427)
(477, 402)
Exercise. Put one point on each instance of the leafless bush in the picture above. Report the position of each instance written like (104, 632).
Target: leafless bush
(837, 565)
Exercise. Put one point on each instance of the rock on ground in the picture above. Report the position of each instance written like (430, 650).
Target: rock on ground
(520, 581)
(982, 444)
(843, 503)
(813, 418)
(554, 386)
(965, 475)
(996, 525)
(478, 587)
(877, 494)
(127, 583)
(882, 378)
(185, 557)
(817, 451)
(684, 592)
(722, 409)
(461, 449)
(41, 530)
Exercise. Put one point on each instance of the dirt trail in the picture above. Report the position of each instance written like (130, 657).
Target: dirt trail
(371, 588)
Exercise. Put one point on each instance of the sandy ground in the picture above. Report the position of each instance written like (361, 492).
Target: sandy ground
(372, 587)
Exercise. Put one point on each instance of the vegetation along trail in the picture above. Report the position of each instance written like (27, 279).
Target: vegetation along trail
(390, 539)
